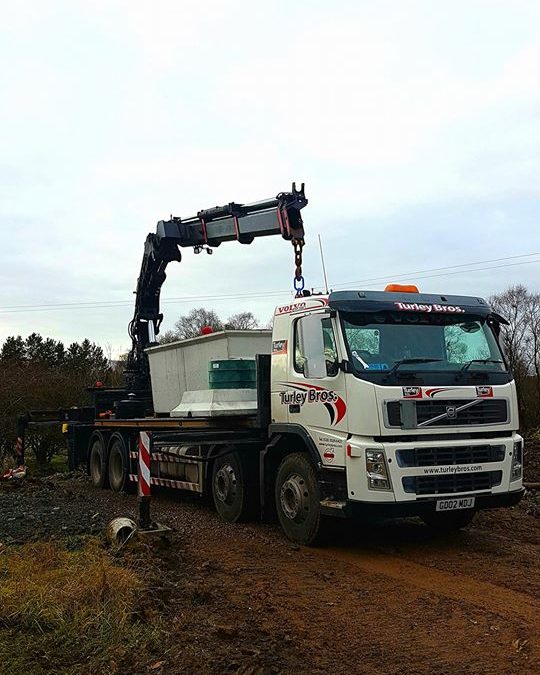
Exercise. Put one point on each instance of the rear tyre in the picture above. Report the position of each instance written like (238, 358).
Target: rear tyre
(234, 488)
(97, 461)
(118, 464)
(449, 522)
(298, 500)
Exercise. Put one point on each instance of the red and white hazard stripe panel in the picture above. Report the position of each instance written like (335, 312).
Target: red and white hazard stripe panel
(144, 464)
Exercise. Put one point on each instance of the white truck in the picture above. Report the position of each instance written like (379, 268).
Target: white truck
(366, 403)
(404, 399)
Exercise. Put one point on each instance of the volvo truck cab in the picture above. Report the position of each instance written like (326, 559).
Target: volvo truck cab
(406, 399)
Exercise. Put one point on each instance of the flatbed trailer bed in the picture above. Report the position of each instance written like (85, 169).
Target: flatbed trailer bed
(167, 423)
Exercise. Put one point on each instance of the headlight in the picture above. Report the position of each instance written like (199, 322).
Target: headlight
(517, 461)
(377, 472)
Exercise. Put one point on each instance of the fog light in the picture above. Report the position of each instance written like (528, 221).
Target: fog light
(376, 470)
(517, 461)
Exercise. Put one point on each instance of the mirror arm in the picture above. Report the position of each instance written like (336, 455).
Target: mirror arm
(345, 366)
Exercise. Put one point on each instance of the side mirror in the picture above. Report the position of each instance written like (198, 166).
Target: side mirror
(310, 339)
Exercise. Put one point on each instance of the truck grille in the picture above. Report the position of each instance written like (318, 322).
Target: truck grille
(452, 483)
(459, 454)
(486, 411)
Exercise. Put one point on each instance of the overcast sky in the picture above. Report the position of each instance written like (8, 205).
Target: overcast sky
(415, 125)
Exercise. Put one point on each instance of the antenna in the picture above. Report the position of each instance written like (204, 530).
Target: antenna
(323, 265)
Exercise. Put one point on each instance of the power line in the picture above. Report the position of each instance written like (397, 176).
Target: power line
(116, 303)
(476, 269)
(373, 281)
(438, 269)
(124, 303)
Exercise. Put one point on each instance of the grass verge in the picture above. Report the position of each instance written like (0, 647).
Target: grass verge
(71, 611)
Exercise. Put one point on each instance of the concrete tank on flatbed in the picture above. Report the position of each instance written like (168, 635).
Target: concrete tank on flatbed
(183, 366)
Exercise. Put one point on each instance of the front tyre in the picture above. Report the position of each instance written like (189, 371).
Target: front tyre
(449, 522)
(298, 499)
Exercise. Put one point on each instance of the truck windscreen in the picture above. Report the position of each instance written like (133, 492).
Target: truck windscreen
(418, 343)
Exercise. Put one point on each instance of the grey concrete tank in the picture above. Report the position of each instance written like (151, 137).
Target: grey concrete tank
(183, 366)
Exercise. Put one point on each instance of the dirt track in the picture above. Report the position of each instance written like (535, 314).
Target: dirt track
(384, 599)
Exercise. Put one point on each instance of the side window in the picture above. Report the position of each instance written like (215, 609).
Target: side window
(330, 350)
(299, 359)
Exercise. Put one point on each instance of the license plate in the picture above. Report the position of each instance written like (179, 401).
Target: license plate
(453, 504)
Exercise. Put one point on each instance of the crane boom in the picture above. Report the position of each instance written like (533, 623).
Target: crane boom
(205, 231)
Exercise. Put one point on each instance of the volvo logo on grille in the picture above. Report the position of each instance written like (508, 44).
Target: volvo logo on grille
(451, 412)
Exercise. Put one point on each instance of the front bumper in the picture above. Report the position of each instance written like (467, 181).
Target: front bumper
(424, 506)
(417, 481)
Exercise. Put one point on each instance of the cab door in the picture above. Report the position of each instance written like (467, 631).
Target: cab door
(317, 396)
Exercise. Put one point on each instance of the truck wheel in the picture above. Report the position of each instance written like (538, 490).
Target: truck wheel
(449, 522)
(97, 461)
(298, 499)
(118, 464)
(234, 493)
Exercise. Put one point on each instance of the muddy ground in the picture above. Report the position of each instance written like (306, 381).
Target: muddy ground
(390, 598)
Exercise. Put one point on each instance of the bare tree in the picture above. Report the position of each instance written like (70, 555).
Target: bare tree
(168, 336)
(534, 343)
(242, 321)
(513, 305)
(190, 325)
(521, 339)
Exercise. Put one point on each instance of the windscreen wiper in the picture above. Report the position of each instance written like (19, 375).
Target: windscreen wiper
(469, 364)
(402, 362)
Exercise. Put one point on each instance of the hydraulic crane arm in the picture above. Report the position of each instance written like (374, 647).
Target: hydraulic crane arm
(206, 230)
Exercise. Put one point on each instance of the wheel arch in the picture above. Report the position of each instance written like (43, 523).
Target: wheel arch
(296, 437)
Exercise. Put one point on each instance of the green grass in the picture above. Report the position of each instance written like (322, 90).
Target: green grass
(58, 464)
(71, 611)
